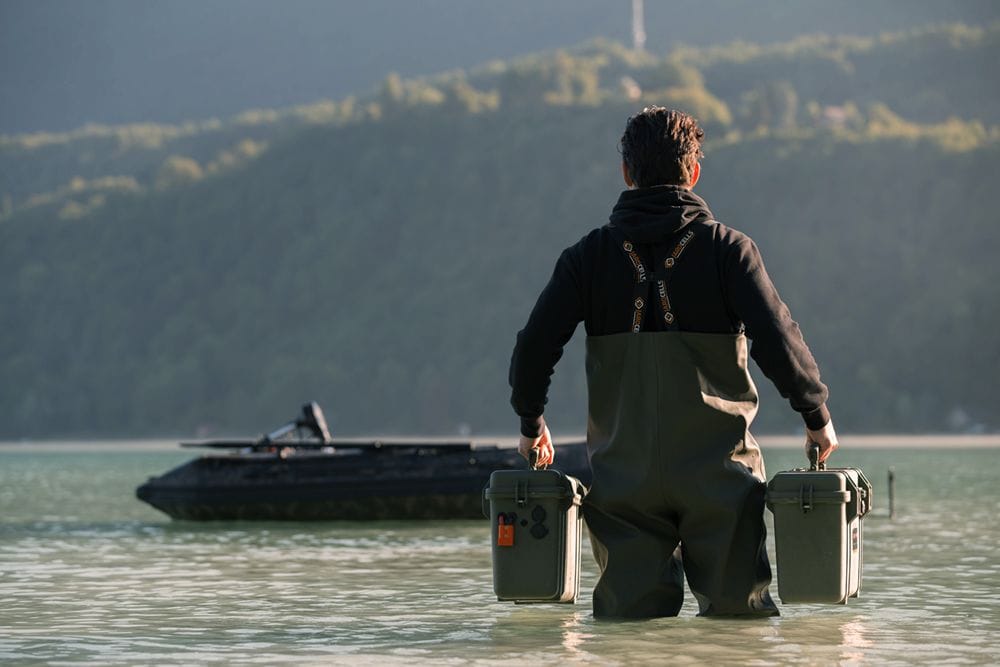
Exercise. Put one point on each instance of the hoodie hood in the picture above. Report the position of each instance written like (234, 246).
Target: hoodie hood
(654, 215)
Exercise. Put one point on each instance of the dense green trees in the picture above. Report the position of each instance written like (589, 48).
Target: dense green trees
(378, 254)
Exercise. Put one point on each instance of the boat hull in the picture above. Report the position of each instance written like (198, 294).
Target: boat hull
(396, 483)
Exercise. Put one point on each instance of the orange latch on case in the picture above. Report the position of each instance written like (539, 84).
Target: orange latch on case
(505, 533)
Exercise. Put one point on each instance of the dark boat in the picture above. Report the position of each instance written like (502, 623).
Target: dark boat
(284, 476)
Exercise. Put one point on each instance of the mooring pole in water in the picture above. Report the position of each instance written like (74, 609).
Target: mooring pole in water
(892, 493)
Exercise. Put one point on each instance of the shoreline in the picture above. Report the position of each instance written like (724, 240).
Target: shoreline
(868, 441)
(849, 441)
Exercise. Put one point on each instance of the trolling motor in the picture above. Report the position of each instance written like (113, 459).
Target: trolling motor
(311, 419)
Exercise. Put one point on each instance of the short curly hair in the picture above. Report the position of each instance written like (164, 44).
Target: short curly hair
(661, 146)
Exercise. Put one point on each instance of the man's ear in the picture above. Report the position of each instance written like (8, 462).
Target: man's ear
(695, 176)
(628, 179)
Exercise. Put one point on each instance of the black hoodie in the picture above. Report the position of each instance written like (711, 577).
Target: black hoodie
(718, 285)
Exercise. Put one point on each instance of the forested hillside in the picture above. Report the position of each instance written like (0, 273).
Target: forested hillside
(379, 253)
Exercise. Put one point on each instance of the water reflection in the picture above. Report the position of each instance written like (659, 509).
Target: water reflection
(573, 635)
(853, 641)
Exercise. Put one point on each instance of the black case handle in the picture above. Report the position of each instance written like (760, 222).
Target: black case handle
(533, 460)
(814, 462)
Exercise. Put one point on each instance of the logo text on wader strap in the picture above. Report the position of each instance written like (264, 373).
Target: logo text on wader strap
(640, 279)
(661, 286)
(640, 270)
(682, 244)
(637, 315)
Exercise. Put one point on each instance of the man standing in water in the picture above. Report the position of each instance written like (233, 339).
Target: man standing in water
(669, 298)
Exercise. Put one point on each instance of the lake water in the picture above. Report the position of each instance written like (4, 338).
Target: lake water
(88, 574)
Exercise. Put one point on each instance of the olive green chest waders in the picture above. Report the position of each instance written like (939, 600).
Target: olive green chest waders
(673, 462)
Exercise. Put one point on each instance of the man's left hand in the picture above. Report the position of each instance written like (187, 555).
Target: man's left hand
(543, 445)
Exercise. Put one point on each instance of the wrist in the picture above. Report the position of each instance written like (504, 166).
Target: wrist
(532, 427)
(822, 436)
(816, 420)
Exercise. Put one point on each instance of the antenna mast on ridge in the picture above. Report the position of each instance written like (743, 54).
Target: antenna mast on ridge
(638, 26)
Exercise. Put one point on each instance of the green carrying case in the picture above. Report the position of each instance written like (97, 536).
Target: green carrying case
(535, 531)
(818, 532)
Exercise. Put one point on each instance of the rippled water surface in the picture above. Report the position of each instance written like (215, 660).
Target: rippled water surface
(89, 574)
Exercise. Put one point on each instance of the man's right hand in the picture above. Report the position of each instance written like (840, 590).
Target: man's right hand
(825, 437)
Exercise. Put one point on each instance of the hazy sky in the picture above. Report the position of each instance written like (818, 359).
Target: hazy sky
(66, 63)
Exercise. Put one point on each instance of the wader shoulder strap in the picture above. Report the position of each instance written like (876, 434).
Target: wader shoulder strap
(644, 279)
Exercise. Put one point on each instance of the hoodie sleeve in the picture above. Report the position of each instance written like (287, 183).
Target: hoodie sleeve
(540, 343)
(776, 341)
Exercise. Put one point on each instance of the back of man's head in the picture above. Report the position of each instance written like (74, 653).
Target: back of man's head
(661, 147)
